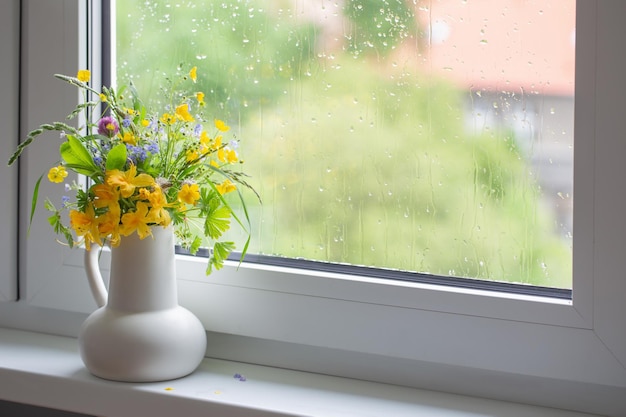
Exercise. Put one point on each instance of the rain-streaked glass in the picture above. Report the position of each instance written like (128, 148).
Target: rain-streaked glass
(429, 136)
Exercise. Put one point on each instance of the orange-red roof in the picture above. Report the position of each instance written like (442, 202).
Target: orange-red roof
(509, 45)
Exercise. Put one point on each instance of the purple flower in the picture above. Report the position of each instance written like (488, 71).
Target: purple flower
(141, 154)
(65, 200)
(197, 130)
(107, 126)
(152, 148)
(126, 122)
(135, 154)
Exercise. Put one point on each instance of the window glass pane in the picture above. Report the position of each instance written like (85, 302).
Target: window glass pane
(428, 136)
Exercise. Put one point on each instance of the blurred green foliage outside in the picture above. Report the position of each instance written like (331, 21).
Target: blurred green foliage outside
(355, 164)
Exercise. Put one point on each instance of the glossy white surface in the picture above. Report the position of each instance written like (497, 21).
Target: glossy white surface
(46, 370)
(141, 334)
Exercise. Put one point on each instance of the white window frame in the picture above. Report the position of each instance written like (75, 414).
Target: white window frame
(428, 336)
(9, 119)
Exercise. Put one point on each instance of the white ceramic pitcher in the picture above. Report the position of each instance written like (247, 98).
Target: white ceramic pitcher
(139, 333)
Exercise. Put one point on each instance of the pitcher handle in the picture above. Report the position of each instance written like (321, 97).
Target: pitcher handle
(96, 283)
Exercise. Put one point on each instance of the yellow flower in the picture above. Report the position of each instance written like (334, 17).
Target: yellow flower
(85, 225)
(109, 226)
(231, 156)
(220, 125)
(83, 75)
(193, 74)
(204, 138)
(103, 98)
(158, 203)
(145, 122)
(182, 112)
(106, 196)
(200, 98)
(217, 143)
(168, 119)
(129, 138)
(192, 155)
(144, 194)
(226, 187)
(108, 223)
(136, 221)
(126, 182)
(189, 193)
(57, 174)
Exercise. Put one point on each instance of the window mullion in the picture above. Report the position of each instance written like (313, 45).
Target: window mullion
(9, 120)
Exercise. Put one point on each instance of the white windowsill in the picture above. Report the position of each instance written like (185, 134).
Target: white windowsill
(46, 370)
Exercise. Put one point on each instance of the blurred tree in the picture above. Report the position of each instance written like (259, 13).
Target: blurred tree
(379, 25)
(245, 54)
(357, 162)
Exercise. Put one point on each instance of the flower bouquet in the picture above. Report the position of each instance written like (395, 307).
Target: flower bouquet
(145, 168)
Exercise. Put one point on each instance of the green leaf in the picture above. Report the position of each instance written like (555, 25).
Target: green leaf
(53, 220)
(117, 157)
(56, 126)
(217, 221)
(195, 245)
(219, 254)
(68, 236)
(77, 157)
(33, 204)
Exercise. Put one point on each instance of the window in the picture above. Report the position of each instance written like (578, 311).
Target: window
(423, 137)
(514, 347)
